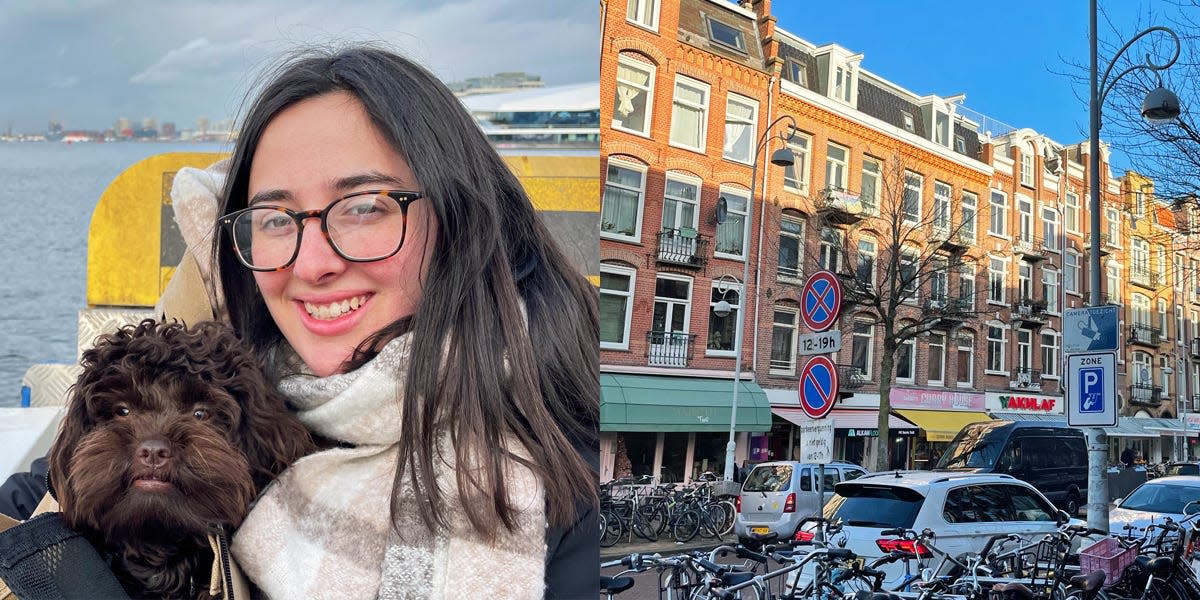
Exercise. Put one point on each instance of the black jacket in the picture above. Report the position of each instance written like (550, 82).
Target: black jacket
(22, 492)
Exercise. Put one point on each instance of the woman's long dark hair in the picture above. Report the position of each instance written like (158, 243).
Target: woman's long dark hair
(535, 380)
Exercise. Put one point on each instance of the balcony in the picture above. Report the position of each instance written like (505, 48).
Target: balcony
(1144, 335)
(684, 247)
(1195, 348)
(1107, 244)
(1108, 298)
(1029, 248)
(953, 242)
(839, 206)
(1029, 313)
(851, 377)
(1144, 394)
(1025, 378)
(669, 348)
(949, 311)
(1141, 275)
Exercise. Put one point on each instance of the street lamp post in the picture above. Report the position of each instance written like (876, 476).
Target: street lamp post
(782, 157)
(1160, 105)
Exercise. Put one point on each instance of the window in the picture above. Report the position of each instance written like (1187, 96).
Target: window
(966, 286)
(1139, 203)
(1050, 228)
(909, 124)
(1195, 321)
(1194, 276)
(689, 114)
(1140, 261)
(669, 323)
(835, 166)
(722, 331)
(908, 274)
(1112, 273)
(1050, 290)
(865, 272)
(621, 213)
(1071, 274)
(795, 176)
(1141, 369)
(869, 195)
(741, 115)
(1161, 263)
(831, 249)
(616, 306)
(941, 206)
(997, 280)
(941, 128)
(681, 198)
(1179, 329)
(1024, 349)
(997, 503)
(912, 197)
(643, 12)
(635, 91)
(783, 342)
(864, 341)
(791, 246)
(731, 235)
(1024, 281)
(998, 217)
(1163, 318)
(966, 359)
(841, 84)
(996, 345)
(1177, 272)
(799, 73)
(1141, 310)
(937, 358)
(1113, 224)
(1071, 213)
(726, 35)
(1025, 219)
(1049, 354)
(960, 144)
(966, 232)
(1164, 378)
(1027, 168)
(938, 274)
(906, 358)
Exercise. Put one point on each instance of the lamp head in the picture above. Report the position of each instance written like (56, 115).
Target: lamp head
(783, 157)
(1160, 106)
(722, 309)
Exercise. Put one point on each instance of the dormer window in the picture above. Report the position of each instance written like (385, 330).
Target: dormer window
(726, 35)
(841, 84)
(909, 124)
(799, 73)
(960, 144)
(941, 129)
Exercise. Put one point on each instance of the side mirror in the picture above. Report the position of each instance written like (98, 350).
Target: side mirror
(1192, 507)
(1062, 517)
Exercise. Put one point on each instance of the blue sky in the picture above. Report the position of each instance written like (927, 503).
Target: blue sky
(1004, 56)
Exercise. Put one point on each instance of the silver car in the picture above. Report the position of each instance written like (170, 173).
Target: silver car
(776, 496)
(1175, 497)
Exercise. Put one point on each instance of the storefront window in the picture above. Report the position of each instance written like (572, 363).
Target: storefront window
(710, 454)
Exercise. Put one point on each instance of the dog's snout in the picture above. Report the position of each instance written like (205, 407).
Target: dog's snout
(154, 453)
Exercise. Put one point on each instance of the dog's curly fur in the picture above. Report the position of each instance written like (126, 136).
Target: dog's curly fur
(169, 435)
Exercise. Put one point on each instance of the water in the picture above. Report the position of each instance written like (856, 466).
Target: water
(47, 194)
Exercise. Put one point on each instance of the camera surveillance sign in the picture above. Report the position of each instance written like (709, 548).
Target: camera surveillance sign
(1091, 329)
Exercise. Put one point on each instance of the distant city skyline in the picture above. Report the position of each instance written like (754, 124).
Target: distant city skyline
(86, 65)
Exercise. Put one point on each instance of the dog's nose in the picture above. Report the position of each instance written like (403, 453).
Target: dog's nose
(154, 453)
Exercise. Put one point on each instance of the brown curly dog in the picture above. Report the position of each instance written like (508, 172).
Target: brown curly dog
(169, 435)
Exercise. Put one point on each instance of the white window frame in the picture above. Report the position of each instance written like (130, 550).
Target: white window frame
(744, 195)
(912, 292)
(1002, 343)
(834, 252)
(837, 170)
(1114, 283)
(1164, 318)
(794, 327)
(911, 178)
(855, 336)
(798, 238)
(872, 169)
(639, 8)
(1139, 260)
(1138, 376)
(942, 213)
(800, 145)
(1024, 349)
(1050, 236)
(912, 361)
(741, 304)
(735, 123)
(998, 208)
(941, 379)
(685, 179)
(636, 237)
(1003, 274)
(646, 88)
(678, 105)
(968, 228)
(1140, 309)
(969, 346)
(1112, 226)
(1054, 354)
(1050, 285)
(632, 274)
(1025, 224)
(1027, 168)
(873, 253)
(1075, 271)
(1071, 213)
(967, 273)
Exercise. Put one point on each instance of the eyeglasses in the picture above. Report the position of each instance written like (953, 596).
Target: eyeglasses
(361, 227)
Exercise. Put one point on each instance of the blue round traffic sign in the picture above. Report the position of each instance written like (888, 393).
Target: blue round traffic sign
(818, 387)
(821, 300)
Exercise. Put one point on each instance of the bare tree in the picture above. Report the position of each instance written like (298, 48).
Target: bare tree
(921, 249)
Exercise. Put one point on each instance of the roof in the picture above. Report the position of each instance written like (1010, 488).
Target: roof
(1164, 216)
(924, 479)
(1188, 480)
(567, 98)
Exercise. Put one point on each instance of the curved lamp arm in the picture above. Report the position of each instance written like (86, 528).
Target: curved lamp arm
(1106, 85)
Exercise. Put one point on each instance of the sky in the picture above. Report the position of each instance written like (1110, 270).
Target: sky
(1008, 58)
(87, 63)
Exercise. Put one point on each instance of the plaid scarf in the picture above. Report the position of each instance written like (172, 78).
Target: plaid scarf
(322, 529)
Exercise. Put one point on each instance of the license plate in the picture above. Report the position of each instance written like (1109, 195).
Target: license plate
(760, 530)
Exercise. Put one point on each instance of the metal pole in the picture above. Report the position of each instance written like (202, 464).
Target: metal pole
(821, 500)
(1097, 500)
(741, 318)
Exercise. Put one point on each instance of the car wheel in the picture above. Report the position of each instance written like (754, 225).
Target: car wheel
(1073, 504)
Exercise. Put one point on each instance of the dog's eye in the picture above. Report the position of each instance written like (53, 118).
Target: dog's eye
(121, 411)
(200, 413)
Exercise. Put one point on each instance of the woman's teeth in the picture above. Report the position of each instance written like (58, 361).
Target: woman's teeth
(334, 310)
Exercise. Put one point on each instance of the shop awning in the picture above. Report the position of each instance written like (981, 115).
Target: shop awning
(1014, 416)
(1170, 427)
(843, 418)
(668, 403)
(942, 425)
(1128, 427)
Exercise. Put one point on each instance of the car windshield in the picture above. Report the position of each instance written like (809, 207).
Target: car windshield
(1183, 469)
(971, 450)
(769, 478)
(1161, 497)
(864, 505)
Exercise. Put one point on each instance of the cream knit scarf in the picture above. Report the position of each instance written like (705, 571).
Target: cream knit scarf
(322, 529)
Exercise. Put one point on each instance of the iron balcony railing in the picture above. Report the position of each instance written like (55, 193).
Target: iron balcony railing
(1145, 394)
(839, 205)
(1025, 378)
(1030, 248)
(1144, 335)
(684, 247)
(851, 377)
(669, 348)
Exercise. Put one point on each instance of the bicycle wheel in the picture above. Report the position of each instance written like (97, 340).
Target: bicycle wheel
(642, 527)
(614, 528)
(730, 516)
(658, 517)
(686, 526)
(711, 517)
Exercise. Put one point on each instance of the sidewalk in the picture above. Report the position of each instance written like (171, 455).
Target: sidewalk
(664, 546)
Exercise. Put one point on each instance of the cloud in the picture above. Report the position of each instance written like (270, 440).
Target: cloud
(197, 57)
(62, 83)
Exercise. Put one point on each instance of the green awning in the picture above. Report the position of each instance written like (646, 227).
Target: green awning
(666, 403)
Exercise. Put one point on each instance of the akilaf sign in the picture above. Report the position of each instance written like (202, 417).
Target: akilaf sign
(1030, 403)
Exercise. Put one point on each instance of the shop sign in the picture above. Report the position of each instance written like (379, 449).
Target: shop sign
(1025, 403)
(936, 400)
(861, 433)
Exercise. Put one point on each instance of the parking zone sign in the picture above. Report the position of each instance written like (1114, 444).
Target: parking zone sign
(1092, 389)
